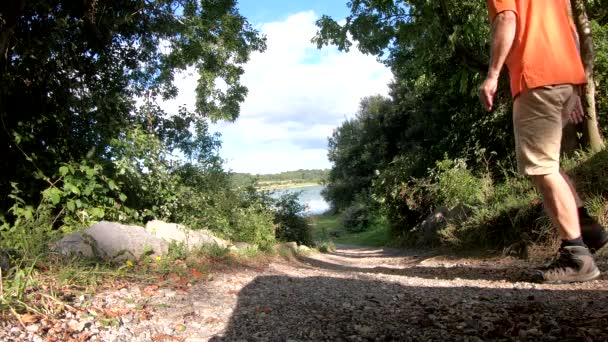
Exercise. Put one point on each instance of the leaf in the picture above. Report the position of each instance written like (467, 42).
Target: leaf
(150, 290)
(63, 170)
(90, 172)
(28, 212)
(54, 195)
(28, 318)
(164, 337)
(116, 312)
(196, 273)
(122, 197)
(97, 212)
(112, 185)
(69, 187)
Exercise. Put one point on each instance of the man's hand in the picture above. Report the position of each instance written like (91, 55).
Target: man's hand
(487, 92)
(578, 115)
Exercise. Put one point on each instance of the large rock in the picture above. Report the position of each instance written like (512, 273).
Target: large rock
(428, 230)
(112, 241)
(172, 232)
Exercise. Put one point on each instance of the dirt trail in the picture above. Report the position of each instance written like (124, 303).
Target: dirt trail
(368, 294)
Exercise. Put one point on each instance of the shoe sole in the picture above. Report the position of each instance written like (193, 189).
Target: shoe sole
(591, 276)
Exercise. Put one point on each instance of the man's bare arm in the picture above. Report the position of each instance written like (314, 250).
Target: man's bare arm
(504, 28)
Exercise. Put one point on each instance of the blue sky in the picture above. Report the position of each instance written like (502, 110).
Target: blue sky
(264, 11)
(297, 94)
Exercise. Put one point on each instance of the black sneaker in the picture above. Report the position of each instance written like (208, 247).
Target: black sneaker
(573, 264)
(594, 235)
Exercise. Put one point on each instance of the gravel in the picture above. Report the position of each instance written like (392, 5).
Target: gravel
(352, 294)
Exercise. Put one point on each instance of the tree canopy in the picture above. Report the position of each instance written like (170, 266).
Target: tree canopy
(438, 52)
(79, 76)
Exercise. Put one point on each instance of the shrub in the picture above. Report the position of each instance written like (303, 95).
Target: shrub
(454, 184)
(253, 224)
(356, 218)
(290, 224)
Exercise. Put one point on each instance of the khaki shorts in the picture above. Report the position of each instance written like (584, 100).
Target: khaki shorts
(539, 115)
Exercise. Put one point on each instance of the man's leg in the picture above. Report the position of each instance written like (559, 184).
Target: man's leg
(593, 233)
(538, 121)
(560, 204)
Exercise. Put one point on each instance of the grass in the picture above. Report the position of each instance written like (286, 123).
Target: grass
(511, 211)
(46, 287)
(376, 235)
(324, 225)
(327, 229)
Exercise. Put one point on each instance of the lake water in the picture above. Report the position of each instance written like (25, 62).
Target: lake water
(309, 196)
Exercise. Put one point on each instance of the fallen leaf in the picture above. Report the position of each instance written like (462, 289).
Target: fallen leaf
(180, 327)
(211, 320)
(150, 290)
(145, 315)
(165, 337)
(116, 312)
(28, 318)
(76, 326)
(196, 273)
(95, 311)
(84, 336)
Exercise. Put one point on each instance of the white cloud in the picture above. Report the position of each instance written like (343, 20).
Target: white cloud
(297, 96)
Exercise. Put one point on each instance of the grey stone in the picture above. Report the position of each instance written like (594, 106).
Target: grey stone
(112, 241)
(428, 229)
(173, 232)
(289, 246)
(241, 245)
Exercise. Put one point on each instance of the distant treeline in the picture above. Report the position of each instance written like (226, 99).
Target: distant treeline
(294, 177)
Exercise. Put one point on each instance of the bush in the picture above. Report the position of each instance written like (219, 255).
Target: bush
(454, 184)
(290, 224)
(356, 218)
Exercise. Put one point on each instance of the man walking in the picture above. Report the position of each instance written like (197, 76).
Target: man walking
(537, 42)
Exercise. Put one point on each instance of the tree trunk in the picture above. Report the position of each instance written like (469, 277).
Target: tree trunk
(591, 128)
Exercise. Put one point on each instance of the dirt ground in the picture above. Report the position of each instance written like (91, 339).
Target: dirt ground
(357, 294)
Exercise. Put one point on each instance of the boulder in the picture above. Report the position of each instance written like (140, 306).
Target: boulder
(305, 250)
(173, 232)
(112, 241)
(428, 230)
(286, 246)
(241, 245)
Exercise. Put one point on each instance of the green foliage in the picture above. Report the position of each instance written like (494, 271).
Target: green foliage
(600, 42)
(404, 198)
(290, 224)
(358, 148)
(377, 234)
(356, 218)
(454, 184)
(408, 155)
(74, 74)
(78, 196)
(254, 224)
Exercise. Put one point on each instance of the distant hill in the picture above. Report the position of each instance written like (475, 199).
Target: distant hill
(281, 180)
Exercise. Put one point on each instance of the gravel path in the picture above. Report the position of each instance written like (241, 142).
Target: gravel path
(358, 294)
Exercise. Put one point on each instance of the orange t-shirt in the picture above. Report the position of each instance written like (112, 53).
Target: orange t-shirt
(544, 51)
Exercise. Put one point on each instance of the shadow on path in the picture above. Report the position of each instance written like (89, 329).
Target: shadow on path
(281, 308)
(507, 273)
